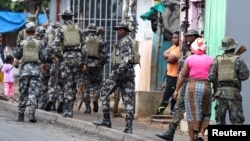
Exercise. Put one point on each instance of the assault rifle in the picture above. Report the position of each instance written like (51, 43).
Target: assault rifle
(111, 89)
(241, 50)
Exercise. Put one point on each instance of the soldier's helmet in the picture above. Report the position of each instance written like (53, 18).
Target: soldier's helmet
(191, 32)
(67, 13)
(122, 25)
(228, 43)
(91, 27)
(40, 31)
(30, 26)
(54, 24)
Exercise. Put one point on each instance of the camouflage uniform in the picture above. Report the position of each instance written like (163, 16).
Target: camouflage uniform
(122, 75)
(117, 95)
(180, 105)
(29, 77)
(72, 60)
(54, 92)
(22, 34)
(227, 95)
(92, 79)
(44, 76)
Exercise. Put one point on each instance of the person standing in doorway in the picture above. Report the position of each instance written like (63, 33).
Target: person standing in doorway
(171, 55)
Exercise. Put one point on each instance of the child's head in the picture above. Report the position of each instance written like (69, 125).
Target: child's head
(9, 59)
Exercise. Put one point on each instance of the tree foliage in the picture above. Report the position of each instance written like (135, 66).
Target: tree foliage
(21, 5)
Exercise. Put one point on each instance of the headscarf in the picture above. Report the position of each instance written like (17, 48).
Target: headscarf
(199, 46)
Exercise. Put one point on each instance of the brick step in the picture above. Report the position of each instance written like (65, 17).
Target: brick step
(161, 116)
(163, 119)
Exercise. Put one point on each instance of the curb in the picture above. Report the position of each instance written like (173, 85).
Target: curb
(75, 123)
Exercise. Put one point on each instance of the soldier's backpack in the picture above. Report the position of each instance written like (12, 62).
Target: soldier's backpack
(135, 51)
(92, 45)
(226, 69)
(71, 35)
(30, 51)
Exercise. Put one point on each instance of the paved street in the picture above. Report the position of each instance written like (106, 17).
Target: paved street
(142, 129)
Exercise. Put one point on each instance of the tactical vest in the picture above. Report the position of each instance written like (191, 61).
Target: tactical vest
(71, 36)
(92, 45)
(226, 70)
(117, 58)
(30, 51)
(50, 37)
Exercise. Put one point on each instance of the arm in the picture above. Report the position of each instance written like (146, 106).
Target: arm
(182, 76)
(171, 57)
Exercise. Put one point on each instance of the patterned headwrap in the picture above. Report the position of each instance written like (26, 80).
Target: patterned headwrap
(199, 46)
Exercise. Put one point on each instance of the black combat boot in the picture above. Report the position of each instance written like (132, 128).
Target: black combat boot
(60, 104)
(169, 134)
(49, 103)
(197, 138)
(115, 109)
(53, 107)
(128, 128)
(105, 121)
(32, 118)
(88, 109)
(96, 107)
(20, 117)
(68, 108)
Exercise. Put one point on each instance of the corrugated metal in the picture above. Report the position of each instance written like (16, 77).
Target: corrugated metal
(106, 13)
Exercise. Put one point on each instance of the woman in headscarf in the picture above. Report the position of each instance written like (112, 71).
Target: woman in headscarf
(198, 92)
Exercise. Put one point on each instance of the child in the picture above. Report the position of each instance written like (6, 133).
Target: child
(9, 79)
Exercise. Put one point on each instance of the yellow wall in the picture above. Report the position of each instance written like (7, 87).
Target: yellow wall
(145, 69)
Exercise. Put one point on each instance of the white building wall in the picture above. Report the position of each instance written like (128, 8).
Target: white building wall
(144, 35)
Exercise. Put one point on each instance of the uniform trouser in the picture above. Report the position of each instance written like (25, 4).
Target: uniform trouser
(69, 75)
(234, 106)
(169, 90)
(29, 90)
(92, 80)
(127, 91)
(44, 79)
(55, 83)
(117, 94)
(179, 105)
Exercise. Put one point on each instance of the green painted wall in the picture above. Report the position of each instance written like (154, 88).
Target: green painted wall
(215, 17)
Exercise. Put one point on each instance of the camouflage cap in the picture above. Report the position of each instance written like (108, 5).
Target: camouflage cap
(122, 25)
(40, 30)
(191, 32)
(228, 43)
(66, 13)
(30, 26)
(91, 27)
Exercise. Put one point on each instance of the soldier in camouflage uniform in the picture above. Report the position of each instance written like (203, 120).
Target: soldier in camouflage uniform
(228, 83)
(67, 47)
(54, 84)
(97, 57)
(44, 76)
(122, 75)
(179, 108)
(22, 34)
(29, 53)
